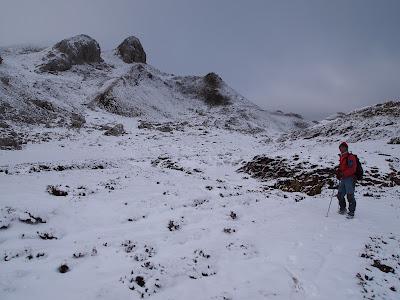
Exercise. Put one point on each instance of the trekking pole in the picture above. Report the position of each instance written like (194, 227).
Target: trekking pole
(329, 207)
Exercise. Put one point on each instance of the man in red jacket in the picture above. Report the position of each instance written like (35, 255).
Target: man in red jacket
(346, 175)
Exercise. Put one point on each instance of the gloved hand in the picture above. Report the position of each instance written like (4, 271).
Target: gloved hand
(339, 174)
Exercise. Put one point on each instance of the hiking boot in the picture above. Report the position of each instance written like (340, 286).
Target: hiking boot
(342, 211)
(350, 215)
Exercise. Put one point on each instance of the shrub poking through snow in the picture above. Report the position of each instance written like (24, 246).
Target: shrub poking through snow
(172, 226)
(63, 268)
(146, 279)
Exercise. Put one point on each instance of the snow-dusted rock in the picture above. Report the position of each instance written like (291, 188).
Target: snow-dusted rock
(1, 60)
(131, 51)
(117, 130)
(76, 50)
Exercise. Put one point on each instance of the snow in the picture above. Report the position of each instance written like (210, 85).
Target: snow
(277, 248)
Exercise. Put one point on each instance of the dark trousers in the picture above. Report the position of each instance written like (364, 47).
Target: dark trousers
(346, 188)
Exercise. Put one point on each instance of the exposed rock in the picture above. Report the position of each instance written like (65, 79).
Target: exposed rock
(9, 143)
(292, 176)
(395, 140)
(43, 104)
(211, 90)
(76, 50)
(131, 51)
(5, 80)
(4, 125)
(77, 120)
(1, 60)
(163, 127)
(56, 191)
(117, 130)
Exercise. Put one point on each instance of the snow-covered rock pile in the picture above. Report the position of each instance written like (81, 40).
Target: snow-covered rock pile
(76, 50)
(373, 122)
(289, 175)
(131, 51)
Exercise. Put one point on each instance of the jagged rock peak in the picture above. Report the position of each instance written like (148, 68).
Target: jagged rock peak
(77, 50)
(131, 51)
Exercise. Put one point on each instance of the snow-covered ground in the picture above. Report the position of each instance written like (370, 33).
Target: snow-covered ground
(165, 215)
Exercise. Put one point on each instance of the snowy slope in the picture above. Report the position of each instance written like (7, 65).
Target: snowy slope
(168, 216)
(373, 122)
(31, 97)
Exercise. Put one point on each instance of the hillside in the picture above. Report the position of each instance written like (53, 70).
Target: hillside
(55, 89)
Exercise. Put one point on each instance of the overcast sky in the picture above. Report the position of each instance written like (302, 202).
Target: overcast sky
(310, 57)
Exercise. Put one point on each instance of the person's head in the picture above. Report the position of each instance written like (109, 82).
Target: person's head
(343, 147)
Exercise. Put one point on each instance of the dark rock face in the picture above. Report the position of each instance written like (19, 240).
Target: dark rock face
(76, 50)
(211, 90)
(1, 60)
(131, 51)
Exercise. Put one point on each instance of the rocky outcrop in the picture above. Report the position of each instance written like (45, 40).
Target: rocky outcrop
(1, 60)
(76, 50)
(211, 90)
(131, 51)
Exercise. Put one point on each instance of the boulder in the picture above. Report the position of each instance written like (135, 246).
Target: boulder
(131, 51)
(117, 130)
(76, 50)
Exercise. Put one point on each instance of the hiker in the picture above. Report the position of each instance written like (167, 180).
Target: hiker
(346, 173)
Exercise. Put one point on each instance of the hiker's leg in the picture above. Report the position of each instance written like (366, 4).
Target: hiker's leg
(349, 186)
(352, 203)
(340, 195)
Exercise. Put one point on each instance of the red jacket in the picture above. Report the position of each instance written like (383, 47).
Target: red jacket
(347, 165)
